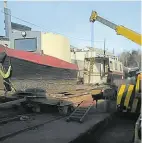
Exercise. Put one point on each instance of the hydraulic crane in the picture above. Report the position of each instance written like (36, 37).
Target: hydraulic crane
(131, 98)
(120, 30)
(128, 100)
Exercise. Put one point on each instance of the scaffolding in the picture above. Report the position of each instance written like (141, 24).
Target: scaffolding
(91, 68)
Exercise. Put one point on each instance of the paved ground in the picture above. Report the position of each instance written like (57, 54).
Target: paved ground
(120, 130)
(58, 131)
(16, 126)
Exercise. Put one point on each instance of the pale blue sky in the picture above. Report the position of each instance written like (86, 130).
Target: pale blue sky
(72, 20)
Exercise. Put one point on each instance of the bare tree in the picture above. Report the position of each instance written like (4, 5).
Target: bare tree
(131, 59)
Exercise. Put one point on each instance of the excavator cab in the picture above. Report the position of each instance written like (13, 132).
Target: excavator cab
(129, 95)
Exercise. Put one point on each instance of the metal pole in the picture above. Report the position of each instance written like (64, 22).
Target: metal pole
(104, 55)
(7, 15)
(92, 35)
(92, 46)
(5, 3)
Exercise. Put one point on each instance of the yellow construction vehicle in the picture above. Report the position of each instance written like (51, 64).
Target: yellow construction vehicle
(128, 97)
(120, 30)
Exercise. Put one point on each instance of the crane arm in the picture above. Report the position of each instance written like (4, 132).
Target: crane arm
(120, 30)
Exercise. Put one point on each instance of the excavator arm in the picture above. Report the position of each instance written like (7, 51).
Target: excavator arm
(120, 30)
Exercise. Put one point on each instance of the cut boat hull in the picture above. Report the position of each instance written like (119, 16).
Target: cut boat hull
(30, 75)
(27, 74)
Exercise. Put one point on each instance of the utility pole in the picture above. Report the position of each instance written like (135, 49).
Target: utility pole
(92, 35)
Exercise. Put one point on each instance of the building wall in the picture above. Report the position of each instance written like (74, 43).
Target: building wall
(80, 64)
(96, 76)
(78, 58)
(98, 68)
(56, 45)
(93, 79)
(78, 55)
(115, 65)
(81, 55)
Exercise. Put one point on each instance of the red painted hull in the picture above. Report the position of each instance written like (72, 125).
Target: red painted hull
(31, 70)
(38, 59)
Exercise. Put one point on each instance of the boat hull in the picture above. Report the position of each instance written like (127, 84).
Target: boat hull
(39, 71)
(27, 75)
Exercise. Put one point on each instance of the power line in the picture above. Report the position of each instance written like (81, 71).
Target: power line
(22, 20)
(44, 29)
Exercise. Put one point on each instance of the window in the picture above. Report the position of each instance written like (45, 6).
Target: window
(26, 44)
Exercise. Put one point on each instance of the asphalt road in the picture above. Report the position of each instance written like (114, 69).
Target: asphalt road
(119, 130)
